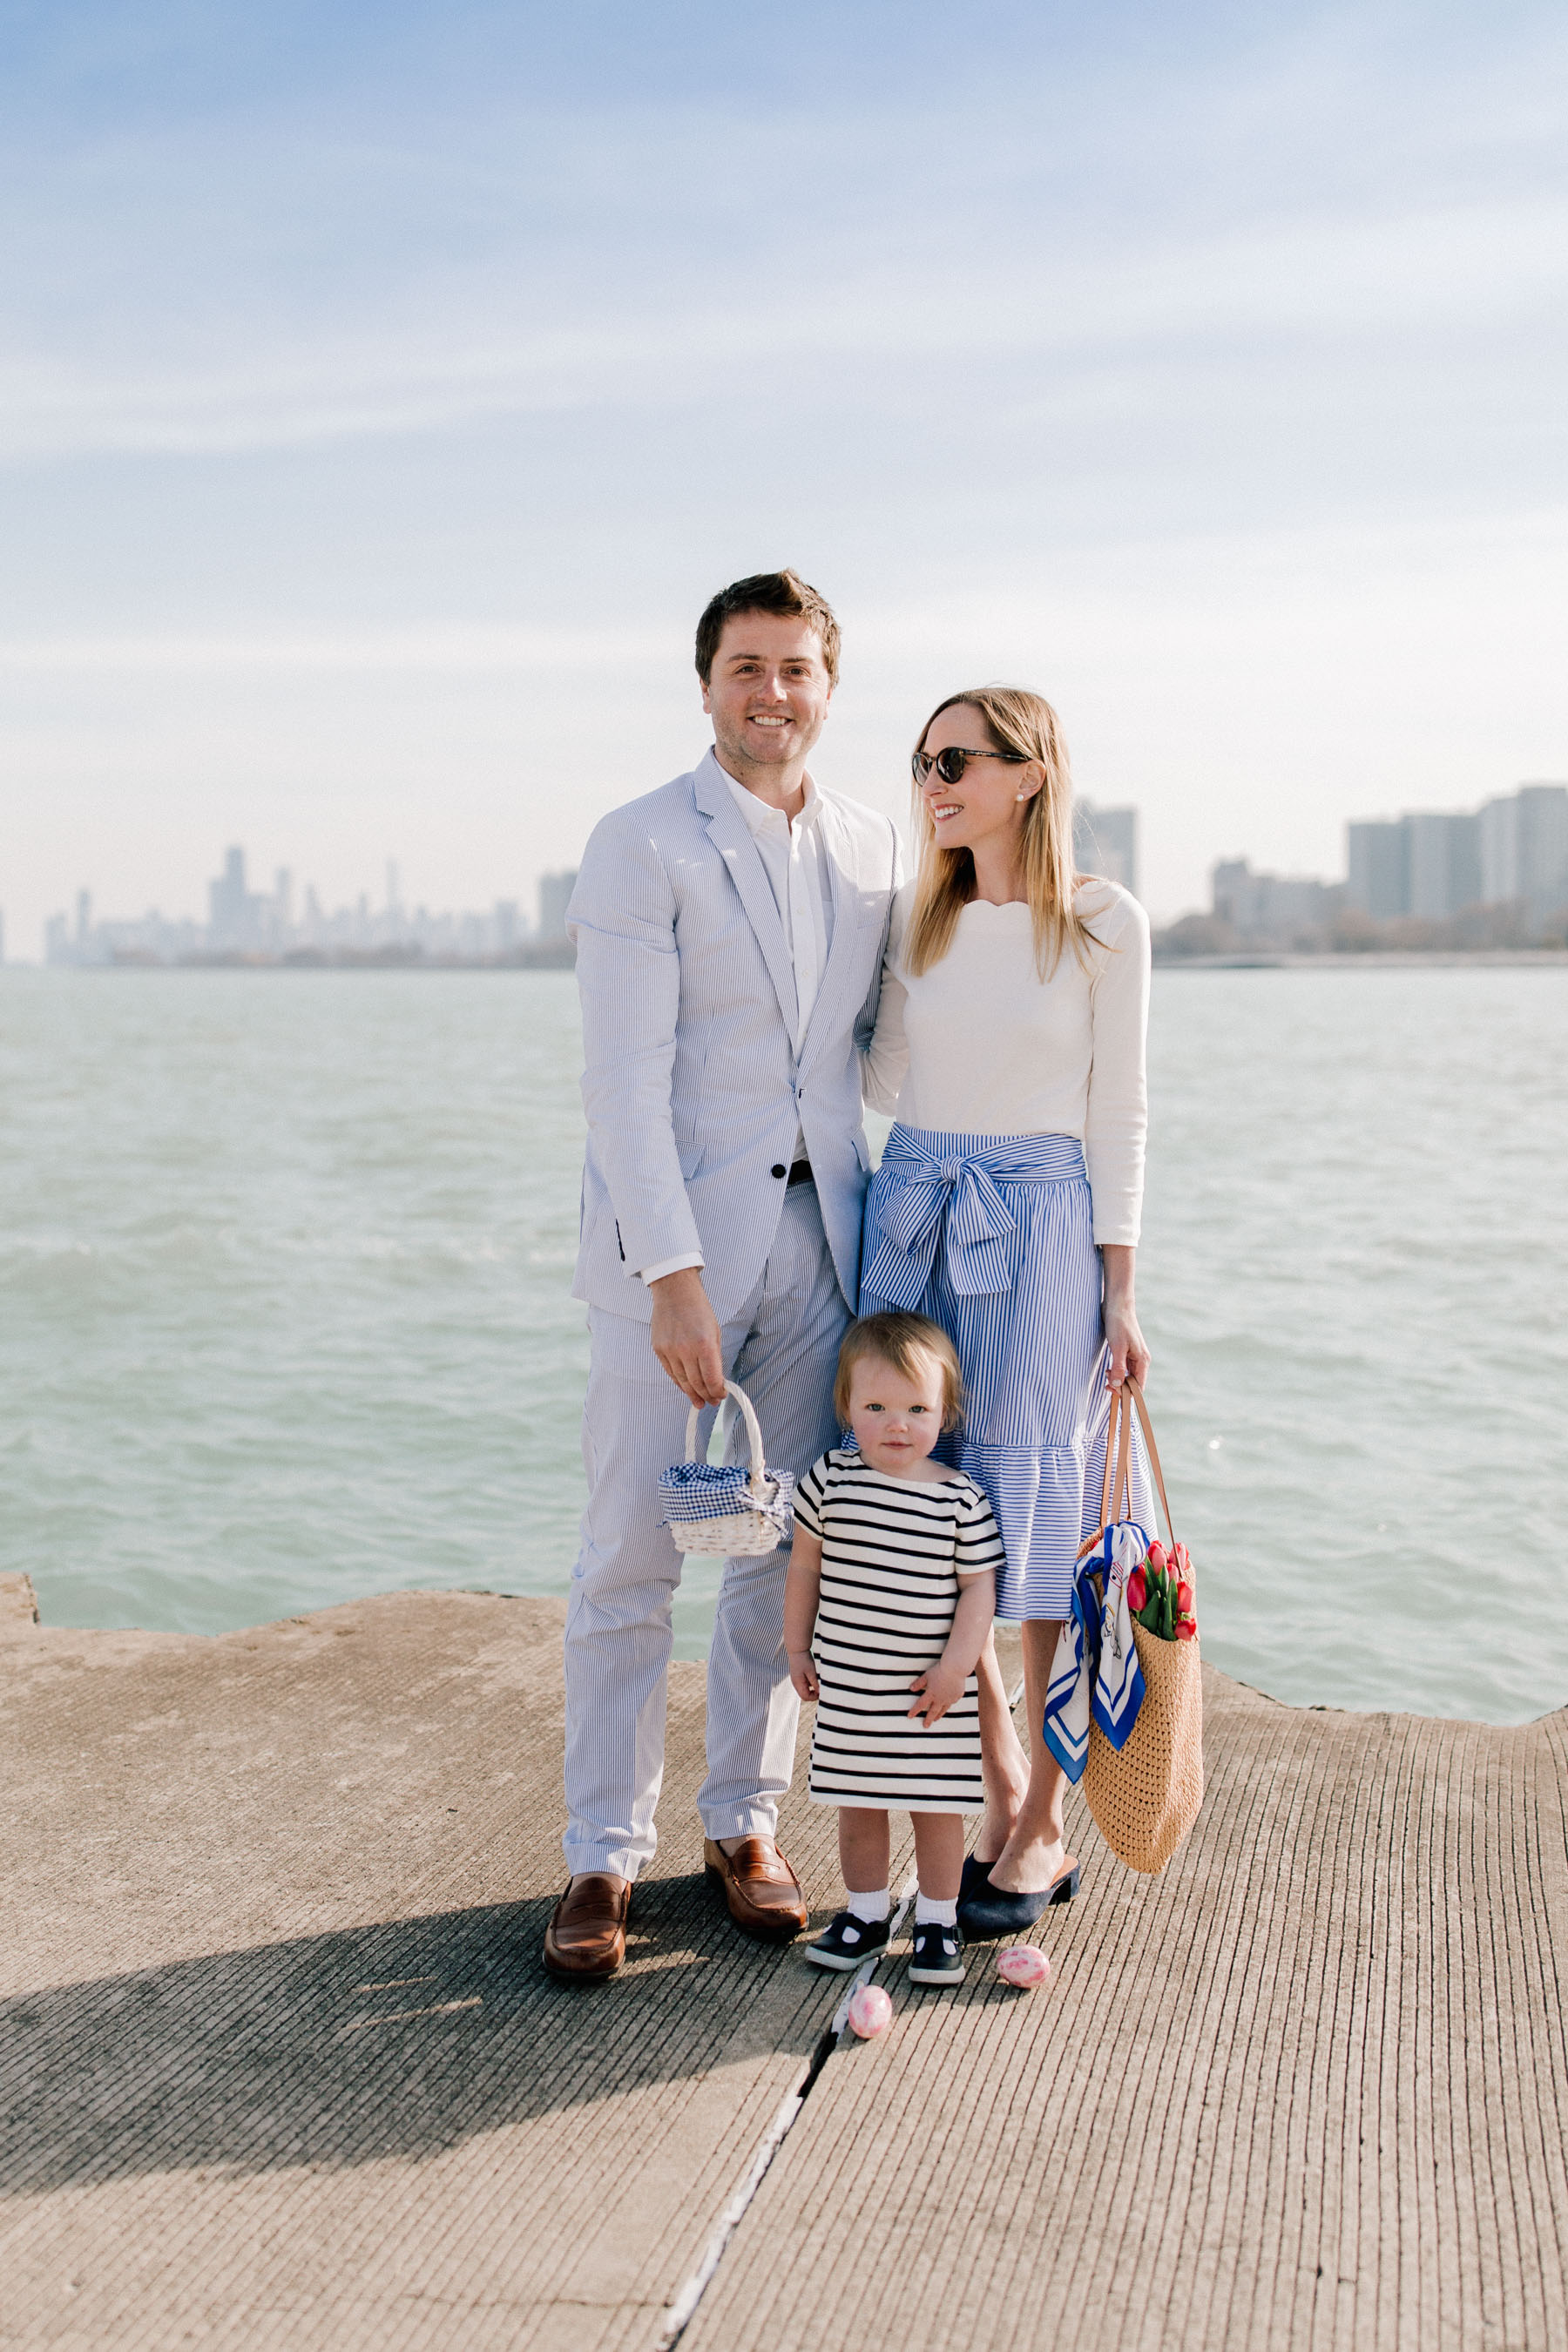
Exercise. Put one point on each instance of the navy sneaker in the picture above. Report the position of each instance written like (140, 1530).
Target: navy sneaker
(848, 1941)
(938, 1955)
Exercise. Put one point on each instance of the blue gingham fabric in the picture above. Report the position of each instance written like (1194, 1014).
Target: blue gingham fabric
(1095, 1674)
(710, 1490)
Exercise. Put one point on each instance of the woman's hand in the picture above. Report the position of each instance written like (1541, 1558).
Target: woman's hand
(802, 1674)
(1129, 1351)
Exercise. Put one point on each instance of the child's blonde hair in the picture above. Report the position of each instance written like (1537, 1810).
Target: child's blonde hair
(908, 1342)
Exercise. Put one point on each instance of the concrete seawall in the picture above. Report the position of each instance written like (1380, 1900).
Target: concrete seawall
(279, 2066)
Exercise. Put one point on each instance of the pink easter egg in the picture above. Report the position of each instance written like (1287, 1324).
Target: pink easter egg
(1021, 1964)
(870, 2011)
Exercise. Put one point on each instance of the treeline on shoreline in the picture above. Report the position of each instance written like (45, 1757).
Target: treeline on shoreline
(542, 955)
(1478, 930)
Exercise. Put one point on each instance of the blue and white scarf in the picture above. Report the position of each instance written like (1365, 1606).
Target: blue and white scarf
(1095, 1672)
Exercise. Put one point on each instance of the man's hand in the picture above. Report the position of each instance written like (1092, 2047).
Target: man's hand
(939, 1686)
(685, 1337)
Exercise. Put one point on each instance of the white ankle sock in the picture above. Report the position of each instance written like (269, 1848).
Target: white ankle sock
(929, 1912)
(872, 1907)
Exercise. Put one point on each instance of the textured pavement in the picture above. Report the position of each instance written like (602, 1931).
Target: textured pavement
(278, 2065)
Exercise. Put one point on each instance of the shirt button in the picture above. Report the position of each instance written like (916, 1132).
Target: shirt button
(779, 1167)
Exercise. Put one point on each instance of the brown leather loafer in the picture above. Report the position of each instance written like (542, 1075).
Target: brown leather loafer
(760, 1889)
(586, 1938)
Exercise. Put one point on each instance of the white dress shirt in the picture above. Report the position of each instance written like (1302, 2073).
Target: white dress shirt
(796, 867)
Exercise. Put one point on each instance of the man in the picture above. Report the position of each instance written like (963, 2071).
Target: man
(730, 931)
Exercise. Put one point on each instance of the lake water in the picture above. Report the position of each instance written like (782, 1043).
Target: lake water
(284, 1320)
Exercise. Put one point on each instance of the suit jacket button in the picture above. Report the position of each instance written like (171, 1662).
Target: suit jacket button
(779, 1167)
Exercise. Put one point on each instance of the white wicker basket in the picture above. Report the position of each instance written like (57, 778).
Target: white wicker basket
(740, 1534)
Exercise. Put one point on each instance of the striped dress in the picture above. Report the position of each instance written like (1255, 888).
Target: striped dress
(893, 1551)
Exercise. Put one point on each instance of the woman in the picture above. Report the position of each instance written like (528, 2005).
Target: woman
(1010, 1040)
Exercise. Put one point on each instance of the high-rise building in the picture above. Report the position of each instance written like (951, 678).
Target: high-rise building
(229, 902)
(1435, 863)
(1443, 863)
(1378, 869)
(1498, 823)
(1525, 848)
(1274, 910)
(1543, 847)
(555, 897)
(1105, 841)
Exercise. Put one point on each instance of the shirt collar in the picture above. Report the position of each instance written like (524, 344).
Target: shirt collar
(760, 816)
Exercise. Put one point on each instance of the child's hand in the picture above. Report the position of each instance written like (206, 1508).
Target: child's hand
(802, 1674)
(940, 1685)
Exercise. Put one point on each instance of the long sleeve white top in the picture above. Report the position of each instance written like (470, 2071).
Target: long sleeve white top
(980, 1045)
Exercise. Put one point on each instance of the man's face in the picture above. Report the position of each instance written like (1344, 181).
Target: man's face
(769, 693)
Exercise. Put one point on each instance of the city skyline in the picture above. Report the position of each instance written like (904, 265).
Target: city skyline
(247, 924)
(383, 400)
(1425, 865)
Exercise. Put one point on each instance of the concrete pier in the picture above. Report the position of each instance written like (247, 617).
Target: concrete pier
(279, 2066)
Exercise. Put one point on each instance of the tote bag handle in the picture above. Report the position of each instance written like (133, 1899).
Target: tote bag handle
(1116, 1486)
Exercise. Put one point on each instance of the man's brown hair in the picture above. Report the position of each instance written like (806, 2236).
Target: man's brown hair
(908, 1342)
(767, 591)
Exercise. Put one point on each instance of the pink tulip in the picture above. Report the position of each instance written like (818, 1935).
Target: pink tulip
(1186, 1627)
(1157, 1555)
(1137, 1591)
(1185, 1598)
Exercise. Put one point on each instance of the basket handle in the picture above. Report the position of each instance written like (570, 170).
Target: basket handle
(753, 1432)
(1116, 1486)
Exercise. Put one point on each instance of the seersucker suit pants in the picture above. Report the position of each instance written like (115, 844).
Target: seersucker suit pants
(782, 1348)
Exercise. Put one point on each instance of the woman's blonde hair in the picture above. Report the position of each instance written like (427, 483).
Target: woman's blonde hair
(944, 879)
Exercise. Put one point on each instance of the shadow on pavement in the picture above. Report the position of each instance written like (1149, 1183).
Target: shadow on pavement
(397, 2040)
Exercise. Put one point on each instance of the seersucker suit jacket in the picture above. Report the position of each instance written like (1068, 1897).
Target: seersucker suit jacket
(691, 1084)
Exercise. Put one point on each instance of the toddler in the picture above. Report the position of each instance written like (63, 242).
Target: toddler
(888, 1599)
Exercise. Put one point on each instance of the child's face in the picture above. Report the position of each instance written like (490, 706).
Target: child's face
(895, 1416)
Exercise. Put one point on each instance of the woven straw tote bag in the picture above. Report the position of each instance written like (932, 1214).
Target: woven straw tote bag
(1145, 1796)
(751, 1531)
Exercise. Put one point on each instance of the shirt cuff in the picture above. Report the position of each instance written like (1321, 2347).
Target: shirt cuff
(670, 1266)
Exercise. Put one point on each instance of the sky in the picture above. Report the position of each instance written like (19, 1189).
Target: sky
(383, 393)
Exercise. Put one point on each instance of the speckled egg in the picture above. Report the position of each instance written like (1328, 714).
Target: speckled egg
(1021, 1964)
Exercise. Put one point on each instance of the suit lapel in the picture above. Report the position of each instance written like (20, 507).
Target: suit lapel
(731, 837)
(839, 846)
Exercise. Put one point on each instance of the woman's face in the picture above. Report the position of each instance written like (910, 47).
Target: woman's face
(985, 807)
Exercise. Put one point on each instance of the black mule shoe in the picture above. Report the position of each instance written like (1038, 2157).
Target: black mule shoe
(976, 1878)
(995, 1912)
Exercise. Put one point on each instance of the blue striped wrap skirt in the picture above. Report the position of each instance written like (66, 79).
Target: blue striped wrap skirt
(992, 1237)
